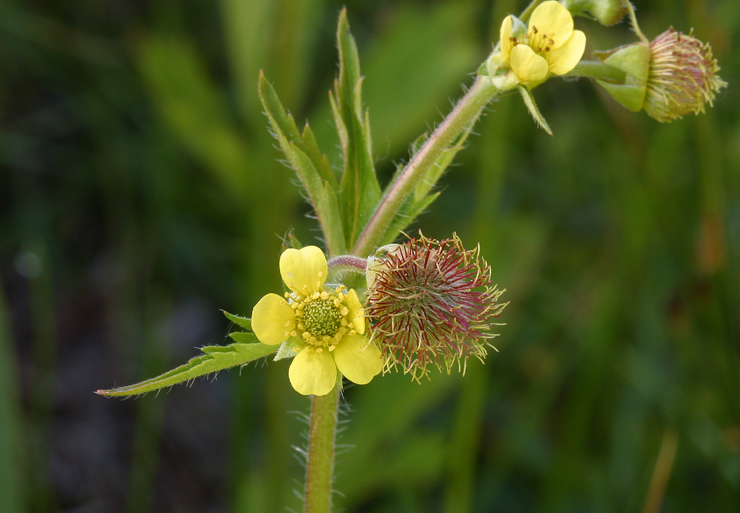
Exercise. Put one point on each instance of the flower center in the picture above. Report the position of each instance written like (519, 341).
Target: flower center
(540, 42)
(322, 318)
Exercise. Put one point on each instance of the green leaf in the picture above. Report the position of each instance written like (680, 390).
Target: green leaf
(284, 125)
(216, 358)
(310, 165)
(323, 197)
(533, 110)
(359, 189)
(238, 320)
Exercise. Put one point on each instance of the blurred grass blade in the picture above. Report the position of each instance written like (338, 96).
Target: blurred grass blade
(10, 421)
(192, 106)
(216, 358)
(310, 165)
(416, 67)
(359, 191)
(247, 25)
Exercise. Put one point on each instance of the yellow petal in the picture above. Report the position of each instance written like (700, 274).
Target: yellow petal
(303, 270)
(313, 372)
(271, 318)
(356, 314)
(506, 35)
(527, 65)
(552, 19)
(359, 361)
(565, 58)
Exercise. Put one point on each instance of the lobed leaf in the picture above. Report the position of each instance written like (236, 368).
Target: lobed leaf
(216, 358)
(311, 166)
(359, 189)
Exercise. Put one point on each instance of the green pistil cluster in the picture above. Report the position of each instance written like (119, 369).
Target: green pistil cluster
(682, 78)
(321, 318)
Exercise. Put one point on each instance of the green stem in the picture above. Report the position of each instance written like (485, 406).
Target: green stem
(597, 69)
(320, 462)
(464, 113)
(635, 26)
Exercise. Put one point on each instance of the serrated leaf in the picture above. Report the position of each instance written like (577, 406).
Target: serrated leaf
(359, 189)
(216, 358)
(323, 198)
(238, 320)
(310, 165)
(311, 148)
(284, 125)
(533, 110)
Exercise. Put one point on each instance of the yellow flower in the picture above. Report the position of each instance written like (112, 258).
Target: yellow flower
(325, 326)
(550, 46)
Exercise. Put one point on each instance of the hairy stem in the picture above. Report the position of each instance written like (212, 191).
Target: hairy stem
(464, 113)
(320, 464)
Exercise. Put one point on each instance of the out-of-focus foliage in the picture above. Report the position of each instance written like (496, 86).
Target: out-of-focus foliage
(140, 192)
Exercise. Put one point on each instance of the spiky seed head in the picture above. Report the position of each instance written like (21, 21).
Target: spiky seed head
(430, 303)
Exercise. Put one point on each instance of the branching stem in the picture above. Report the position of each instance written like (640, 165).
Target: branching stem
(465, 112)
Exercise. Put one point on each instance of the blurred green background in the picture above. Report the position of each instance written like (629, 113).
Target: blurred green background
(141, 192)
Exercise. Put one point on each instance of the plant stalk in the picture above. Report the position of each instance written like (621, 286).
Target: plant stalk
(598, 69)
(465, 112)
(320, 461)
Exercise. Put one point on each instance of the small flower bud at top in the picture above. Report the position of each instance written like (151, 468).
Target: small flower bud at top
(682, 77)
(430, 303)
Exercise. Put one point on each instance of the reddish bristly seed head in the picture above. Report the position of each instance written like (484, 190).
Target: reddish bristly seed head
(683, 76)
(430, 303)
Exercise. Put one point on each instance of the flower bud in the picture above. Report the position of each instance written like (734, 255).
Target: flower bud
(430, 303)
(682, 78)
(606, 12)
(674, 75)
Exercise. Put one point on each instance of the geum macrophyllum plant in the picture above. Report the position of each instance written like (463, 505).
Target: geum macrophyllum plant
(428, 303)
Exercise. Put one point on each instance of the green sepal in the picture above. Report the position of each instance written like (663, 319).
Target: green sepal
(311, 166)
(292, 241)
(285, 350)
(634, 60)
(533, 110)
(359, 189)
(216, 358)
(238, 320)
